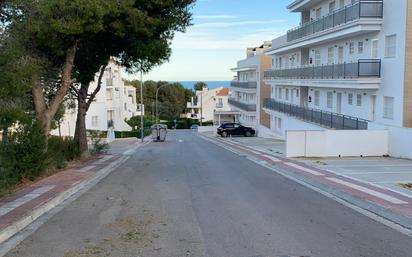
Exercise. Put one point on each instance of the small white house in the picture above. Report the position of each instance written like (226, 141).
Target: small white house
(115, 103)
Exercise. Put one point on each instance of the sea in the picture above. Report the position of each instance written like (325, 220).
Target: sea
(210, 84)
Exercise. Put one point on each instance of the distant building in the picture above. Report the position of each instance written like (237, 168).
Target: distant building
(248, 89)
(115, 103)
(207, 102)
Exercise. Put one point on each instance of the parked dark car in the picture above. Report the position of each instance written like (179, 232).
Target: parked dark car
(235, 129)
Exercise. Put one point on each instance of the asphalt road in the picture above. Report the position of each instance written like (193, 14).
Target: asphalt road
(188, 197)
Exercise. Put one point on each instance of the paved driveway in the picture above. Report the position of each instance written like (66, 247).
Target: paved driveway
(386, 172)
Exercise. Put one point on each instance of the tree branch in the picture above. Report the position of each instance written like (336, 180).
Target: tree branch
(99, 85)
(66, 80)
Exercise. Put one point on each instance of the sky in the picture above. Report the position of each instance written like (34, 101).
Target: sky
(219, 36)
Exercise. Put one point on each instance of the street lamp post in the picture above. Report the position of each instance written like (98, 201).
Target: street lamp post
(141, 104)
(157, 94)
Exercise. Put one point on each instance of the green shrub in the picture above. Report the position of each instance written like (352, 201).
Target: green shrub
(98, 146)
(61, 150)
(130, 134)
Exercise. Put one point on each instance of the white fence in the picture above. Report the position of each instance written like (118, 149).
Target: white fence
(330, 143)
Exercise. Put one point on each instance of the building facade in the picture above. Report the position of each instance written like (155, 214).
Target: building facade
(248, 89)
(115, 103)
(344, 67)
(207, 102)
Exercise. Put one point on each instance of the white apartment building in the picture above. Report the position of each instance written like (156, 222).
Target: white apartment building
(207, 102)
(248, 89)
(344, 67)
(115, 103)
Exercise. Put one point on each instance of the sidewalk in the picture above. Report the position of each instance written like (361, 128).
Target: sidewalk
(23, 207)
(326, 176)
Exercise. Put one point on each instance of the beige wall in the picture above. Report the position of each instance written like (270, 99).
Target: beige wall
(265, 64)
(407, 101)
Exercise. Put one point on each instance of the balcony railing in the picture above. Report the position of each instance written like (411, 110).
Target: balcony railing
(322, 118)
(361, 69)
(219, 105)
(361, 9)
(242, 84)
(243, 106)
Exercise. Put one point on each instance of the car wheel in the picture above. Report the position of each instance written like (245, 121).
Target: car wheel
(248, 134)
(224, 134)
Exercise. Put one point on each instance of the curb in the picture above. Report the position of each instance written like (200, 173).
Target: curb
(34, 214)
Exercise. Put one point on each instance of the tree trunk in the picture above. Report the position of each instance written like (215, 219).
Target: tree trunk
(5, 138)
(44, 112)
(80, 134)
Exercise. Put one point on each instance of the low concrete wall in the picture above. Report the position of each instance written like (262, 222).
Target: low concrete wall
(330, 143)
(400, 142)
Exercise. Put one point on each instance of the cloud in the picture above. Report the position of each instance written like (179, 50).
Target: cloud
(235, 23)
(205, 17)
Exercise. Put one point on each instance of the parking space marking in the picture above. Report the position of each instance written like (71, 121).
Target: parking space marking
(273, 159)
(87, 168)
(8, 207)
(313, 172)
(102, 160)
(377, 172)
(368, 191)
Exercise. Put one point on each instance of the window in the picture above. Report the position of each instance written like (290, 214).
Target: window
(390, 46)
(329, 102)
(360, 47)
(287, 94)
(341, 3)
(388, 103)
(350, 99)
(109, 94)
(280, 93)
(318, 13)
(125, 106)
(95, 121)
(317, 57)
(331, 56)
(220, 101)
(317, 98)
(351, 48)
(332, 6)
(276, 92)
(359, 100)
(279, 123)
(280, 62)
(375, 46)
(297, 92)
(340, 54)
(109, 82)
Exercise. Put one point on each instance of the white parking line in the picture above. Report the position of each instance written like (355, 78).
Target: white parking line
(8, 207)
(102, 160)
(274, 159)
(313, 172)
(87, 168)
(368, 191)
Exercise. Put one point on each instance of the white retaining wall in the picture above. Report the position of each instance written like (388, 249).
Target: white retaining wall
(330, 143)
(400, 142)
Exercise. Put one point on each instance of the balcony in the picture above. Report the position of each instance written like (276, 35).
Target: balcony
(371, 9)
(363, 74)
(242, 106)
(244, 84)
(318, 117)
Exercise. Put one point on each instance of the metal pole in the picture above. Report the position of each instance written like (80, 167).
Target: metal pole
(141, 104)
(201, 107)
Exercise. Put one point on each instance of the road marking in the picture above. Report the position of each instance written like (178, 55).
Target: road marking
(313, 172)
(102, 160)
(87, 168)
(377, 172)
(273, 159)
(130, 151)
(368, 191)
(8, 207)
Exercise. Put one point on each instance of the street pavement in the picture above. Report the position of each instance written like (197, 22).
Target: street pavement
(191, 197)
